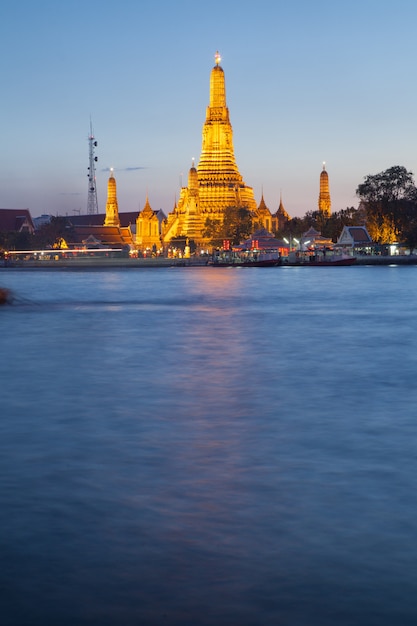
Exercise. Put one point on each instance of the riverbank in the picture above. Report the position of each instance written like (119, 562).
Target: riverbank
(74, 263)
(397, 259)
(80, 263)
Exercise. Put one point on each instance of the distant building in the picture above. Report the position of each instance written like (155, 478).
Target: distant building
(16, 220)
(149, 228)
(263, 215)
(355, 240)
(42, 220)
(262, 239)
(313, 238)
(96, 237)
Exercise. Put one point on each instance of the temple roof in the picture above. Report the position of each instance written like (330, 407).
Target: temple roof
(262, 205)
(15, 220)
(264, 241)
(97, 219)
(311, 232)
(106, 236)
(357, 234)
(147, 208)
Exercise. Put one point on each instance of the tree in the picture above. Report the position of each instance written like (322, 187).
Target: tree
(181, 241)
(237, 225)
(329, 226)
(333, 224)
(213, 232)
(14, 240)
(390, 201)
(394, 184)
(295, 227)
(55, 234)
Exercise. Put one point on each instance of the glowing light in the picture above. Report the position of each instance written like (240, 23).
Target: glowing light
(217, 58)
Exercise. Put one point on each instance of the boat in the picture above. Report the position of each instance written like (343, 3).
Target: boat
(245, 258)
(334, 260)
(319, 258)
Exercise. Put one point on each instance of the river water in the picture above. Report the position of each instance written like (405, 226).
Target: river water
(189, 446)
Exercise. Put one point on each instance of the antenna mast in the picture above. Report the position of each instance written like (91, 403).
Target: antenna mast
(92, 203)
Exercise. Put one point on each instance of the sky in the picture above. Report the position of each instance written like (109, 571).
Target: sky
(306, 83)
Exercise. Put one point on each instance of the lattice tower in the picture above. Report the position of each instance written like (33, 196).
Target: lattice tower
(92, 203)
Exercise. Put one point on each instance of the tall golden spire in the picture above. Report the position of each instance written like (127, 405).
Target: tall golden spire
(112, 209)
(217, 85)
(193, 222)
(216, 182)
(221, 184)
(325, 203)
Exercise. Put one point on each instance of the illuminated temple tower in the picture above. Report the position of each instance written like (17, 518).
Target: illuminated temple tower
(112, 210)
(324, 197)
(216, 182)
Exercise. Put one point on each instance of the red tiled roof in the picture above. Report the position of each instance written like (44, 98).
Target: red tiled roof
(97, 219)
(359, 234)
(109, 236)
(15, 219)
(264, 241)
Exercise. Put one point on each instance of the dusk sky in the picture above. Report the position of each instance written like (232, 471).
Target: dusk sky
(306, 82)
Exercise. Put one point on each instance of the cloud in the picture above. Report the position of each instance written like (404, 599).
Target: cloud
(125, 169)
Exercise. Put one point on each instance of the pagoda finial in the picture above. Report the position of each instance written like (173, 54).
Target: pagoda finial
(324, 165)
(217, 58)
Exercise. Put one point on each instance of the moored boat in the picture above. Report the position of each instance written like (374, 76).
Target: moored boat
(318, 258)
(246, 258)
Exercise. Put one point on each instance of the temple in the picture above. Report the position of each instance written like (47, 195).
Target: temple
(112, 209)
(215, 183)
(148, 228)
(324, 197)
(93, 232)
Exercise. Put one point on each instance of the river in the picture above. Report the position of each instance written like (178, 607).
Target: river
(186, 446)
